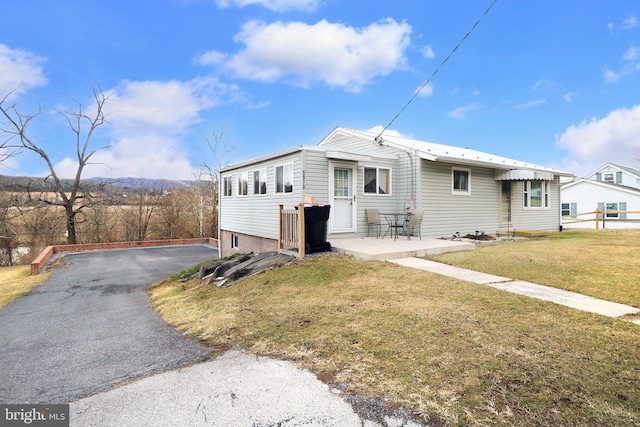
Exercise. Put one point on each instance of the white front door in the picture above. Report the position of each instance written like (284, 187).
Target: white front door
(343, 198)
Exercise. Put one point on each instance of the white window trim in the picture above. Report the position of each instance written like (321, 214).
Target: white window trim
(229, 180)
(377, 168)
(466, 192)
(239, 181)
(253, 183)
(275, 179)
(611, 215)
(546, 195)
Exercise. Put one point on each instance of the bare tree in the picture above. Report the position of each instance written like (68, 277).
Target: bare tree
(140, 215)
(8, 234)
(220, 146)
(172, 220)
(83, 124)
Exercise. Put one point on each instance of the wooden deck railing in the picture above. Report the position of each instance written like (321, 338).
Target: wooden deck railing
(599, 217)
(291, 228)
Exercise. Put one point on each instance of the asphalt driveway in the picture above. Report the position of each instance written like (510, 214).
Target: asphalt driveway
(90, 327)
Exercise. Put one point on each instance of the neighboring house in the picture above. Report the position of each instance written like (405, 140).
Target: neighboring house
(611, 188)
(460, 190)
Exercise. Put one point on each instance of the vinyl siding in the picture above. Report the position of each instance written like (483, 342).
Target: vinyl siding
(446, 214)
(535, 219)
(257, 214)
(422, 183)
(397, 162)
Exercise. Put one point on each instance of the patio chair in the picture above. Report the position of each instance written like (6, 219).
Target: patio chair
(415, 223)
(373, 219)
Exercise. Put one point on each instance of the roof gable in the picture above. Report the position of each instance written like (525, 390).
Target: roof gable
(626, 169)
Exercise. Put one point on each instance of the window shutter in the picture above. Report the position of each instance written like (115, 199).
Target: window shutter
(601, 209)
(618, 177)
(623, 207)
(574, 209)
(598, 176)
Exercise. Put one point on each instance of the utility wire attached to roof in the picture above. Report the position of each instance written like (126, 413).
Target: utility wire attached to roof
(426, 82)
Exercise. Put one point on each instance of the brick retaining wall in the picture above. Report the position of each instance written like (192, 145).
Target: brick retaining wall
(46, 254)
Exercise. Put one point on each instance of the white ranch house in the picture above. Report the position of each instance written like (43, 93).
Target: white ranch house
(460, 190)
(612, 190)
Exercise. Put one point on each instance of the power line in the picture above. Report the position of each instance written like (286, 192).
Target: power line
(426, 82)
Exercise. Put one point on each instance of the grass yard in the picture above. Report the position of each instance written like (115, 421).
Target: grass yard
(604, 264)
(455, 353)
(17, 281)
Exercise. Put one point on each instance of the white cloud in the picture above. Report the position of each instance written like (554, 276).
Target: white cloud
(530, 104)
(377, 129)
(148, 121)
(611, 76)
(461, 112)
(544, 85)
(426, 91)
(275, 5)
(630, 22)
(427, 52)
(630, 64)
(19, 70)
(570, 96)
(592, 143)
(630, 55)
(329, 53)
(211, 58)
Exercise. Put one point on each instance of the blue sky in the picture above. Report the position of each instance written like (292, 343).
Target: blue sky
(551, 82)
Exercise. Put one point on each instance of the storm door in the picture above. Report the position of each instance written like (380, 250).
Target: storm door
(343, 198)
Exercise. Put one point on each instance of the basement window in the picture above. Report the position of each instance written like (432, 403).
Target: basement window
(234, 241)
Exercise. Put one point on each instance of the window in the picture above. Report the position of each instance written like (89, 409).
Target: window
(611, 207)
(377, 181)
(536, 194)
(570, 209)
(608, 177)
(234, 241)
(260, 182)
(243, 184)
(460, 181)
(226, 186)
(284, 178)
(612, 210)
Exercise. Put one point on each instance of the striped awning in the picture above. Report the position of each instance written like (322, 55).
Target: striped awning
(523, 175)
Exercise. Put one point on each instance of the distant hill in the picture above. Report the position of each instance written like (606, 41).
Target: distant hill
(31, 183)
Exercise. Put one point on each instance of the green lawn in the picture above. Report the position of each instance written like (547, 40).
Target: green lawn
(603, 264)
(456, 353)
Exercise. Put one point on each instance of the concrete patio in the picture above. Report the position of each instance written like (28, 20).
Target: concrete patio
(372, 249)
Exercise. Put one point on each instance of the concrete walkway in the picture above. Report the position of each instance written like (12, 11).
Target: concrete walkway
(547, 293)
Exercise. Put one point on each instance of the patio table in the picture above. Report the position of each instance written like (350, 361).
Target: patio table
(397, 221)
